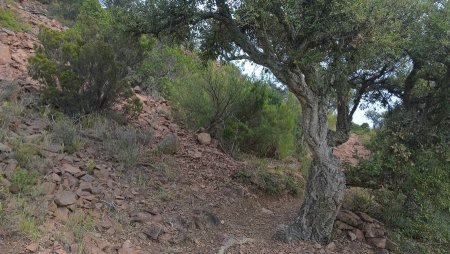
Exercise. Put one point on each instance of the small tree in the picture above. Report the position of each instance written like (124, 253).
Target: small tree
(84, 69)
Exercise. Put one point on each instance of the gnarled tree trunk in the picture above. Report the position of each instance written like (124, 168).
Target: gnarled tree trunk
(326, 182)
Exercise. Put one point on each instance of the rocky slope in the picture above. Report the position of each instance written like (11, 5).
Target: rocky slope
(184, 201)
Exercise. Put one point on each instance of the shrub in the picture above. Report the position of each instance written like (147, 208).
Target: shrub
(84, 69)
(410, 160)
(265, 125)
(24, 179)
(273, 181)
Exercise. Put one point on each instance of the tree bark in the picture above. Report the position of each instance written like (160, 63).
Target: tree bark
(325, 186)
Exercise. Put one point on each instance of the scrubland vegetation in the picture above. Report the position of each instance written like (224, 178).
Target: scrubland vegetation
(91, 67)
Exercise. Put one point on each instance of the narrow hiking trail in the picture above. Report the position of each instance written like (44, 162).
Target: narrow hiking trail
(187, 202)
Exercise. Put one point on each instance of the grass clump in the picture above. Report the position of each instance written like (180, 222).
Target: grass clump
(79, 224)
(126, 144)
(9, 20)
(24, 179)
(67, 134)
(28, 226)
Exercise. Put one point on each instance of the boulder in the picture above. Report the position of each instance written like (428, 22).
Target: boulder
(153, 231)
(4, 148)
(32, 247)
(65, 198)
(70, 169)
(349, 218)
(378, 242)
(169, 144)
(204, 138)
(372, 230)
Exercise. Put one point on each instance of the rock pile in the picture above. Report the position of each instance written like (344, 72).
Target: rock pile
(361, 227)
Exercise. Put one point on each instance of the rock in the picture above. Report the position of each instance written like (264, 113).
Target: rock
(56, 178)
(352, 236)
(71, 169)
(65, 198)
(62, 214)
(33, 247)
(140, 217)
(331, 247)
(49, 187)
(11, 165)
(371, 230)
(4, 148)
(169, 144)
(266, 211)
(87, 178)
(366, 217)
(85, 186)
(14, 188)
(153, 231)
(5, 56)
(204, 138)
(342, 226)
(359, 235)
(378, 242)
(349, 218)
(5, 182)
(127, 249)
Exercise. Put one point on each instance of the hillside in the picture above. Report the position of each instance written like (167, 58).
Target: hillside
(89, 202)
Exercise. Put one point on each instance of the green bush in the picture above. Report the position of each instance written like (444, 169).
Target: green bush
(207, 97)
(273, 181)
(24, 178)
(85, 69)
(410, 156)
(9, 19)
(65, 11)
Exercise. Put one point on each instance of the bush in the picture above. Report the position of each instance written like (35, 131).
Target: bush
(273, 181)
(410, 155)
(24, 178)
(84, 69)
(125, 143)
(9, 19)
(207, 97)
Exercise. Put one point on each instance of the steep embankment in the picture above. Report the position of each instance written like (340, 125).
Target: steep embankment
(186, 202)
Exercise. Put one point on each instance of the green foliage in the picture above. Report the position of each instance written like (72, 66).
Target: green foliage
(25, 154)
(266, 124)
(248, 116)
(410, 159)
(65, 11)
(84, 69)
(273, 181)
(24, 179)
(29, 227)
(9, 20)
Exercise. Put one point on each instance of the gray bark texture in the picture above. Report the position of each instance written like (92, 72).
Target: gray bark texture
(326, 181)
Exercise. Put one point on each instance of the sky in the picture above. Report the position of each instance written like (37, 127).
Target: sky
(253, 70)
